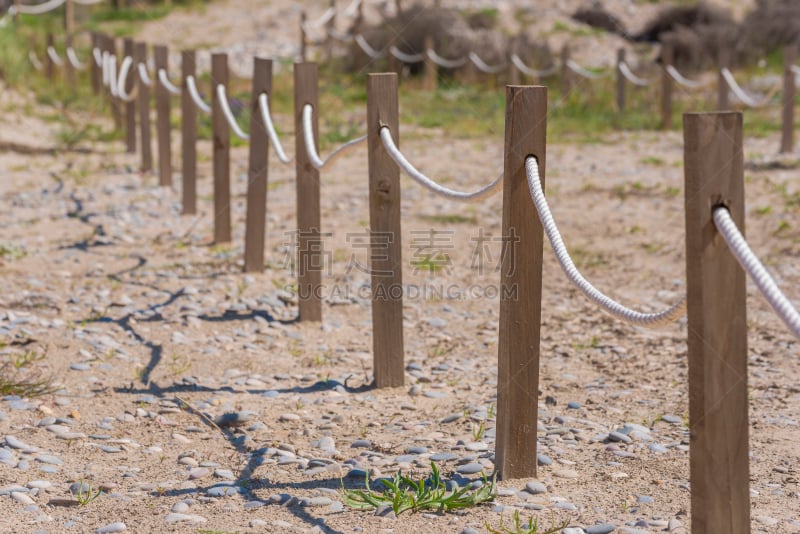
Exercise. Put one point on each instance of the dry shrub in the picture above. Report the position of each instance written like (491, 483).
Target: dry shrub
(772, 24)
(597, 17)
(672, 18)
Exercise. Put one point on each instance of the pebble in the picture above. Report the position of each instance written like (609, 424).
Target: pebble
(535, 487)
(199, 472)
(21, 497)
(604, 528)
(361, 444)
(542, 459)
(180, 507)
(49, 459)
(179, 518)
(573, 530)
(619, 436)
(672, 419)
(15, 443)
(112, 527)
(565, 473)
(80, 366)
(470, 469)
(224, 490)
(289, 417)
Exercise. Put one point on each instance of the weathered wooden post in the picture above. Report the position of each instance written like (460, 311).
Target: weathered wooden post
(69, 68)
(69, 17)
(303, 39)
(49, 64)
(143, 101)
(789, 91)
(163, 110)
(386, 262)
(520, 286)
(717, 326)
(309, 253)
(116, 109)
(130, 107)
(722, 85)
(94, 69)
(222, 149)
(620, 81)
(188, 135)
(429, 80)
(255, 230)
(566, 72)
(666, 86)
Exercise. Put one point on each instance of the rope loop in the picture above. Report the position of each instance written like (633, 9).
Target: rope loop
(444, 62)
(144, 76)
(367, 49)
(746, 99)
(124, 69)
(222, 97)
(54, 57)
(482, 66)
(311, 147)
(631, 77)
(753, 266)
(526, 70)
(410, 170)
(577, 69)
(263, 105)
(35, 60)
(610, 306)
(73, 59)
(686, 82)
(168, 85)
(195, 95)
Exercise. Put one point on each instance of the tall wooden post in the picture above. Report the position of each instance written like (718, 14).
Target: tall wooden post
(309, 244)
(303, 38)
(255, 230)
(143, 103)
(94, 70)
(620, 81)
(116, 109)
(130, 107)
(188, 136)
(49, 65)
(789, 91)
(386, 262)
(163, 110)
(429, 80)
(69, 17)
(566, 73)
(666, 86)
(717, 327)
(222, 149)
(520, 286)
(722, 85)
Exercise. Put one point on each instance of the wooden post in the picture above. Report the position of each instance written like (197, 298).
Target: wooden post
(666, 86)
(49, 66)
(69, 17)
(787, 132)
(17, 5)
(302, 36)
(68, 67)
(386, 261)
(429, 80)
(255, 231)
(722, 86)
(116, 109)
(222, 149)
(566, 73)
(309, 251)
(620, 81)
(521, 286)
(143, 101)
(94, 69)
(188, 136)
(330, 27)
(162, 118)
(717, 327)
(130, 107)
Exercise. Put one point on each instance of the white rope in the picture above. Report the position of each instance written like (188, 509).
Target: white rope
(406, 58)
(144, 76)
(631, 77)
(311, 147)
(124, 69)
(577, 69)
(678, 77)
(760, 276)
(54, 57)
(37, 9)
(263, 104)
(482, 66)
(343, 37)
(198, 100)
(364, 45)
(409, 169)
(35, 60)
(112, 76)
(444, 62)
(88, 2)
(609, 305)
(162, 77)
(352, 9)
(98, 56)
(746, 99)
(323, 19)
(526, 70)
(226, 110)
(73, 59)
(104, 68)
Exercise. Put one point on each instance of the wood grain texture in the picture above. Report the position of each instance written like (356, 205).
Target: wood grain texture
(222, 153)
(309, 239)
(130, 107)
(255, 230)
(143, 101)
(163, 110)
(116, 108)
(386, 262)
(188, 136)
(717, 327)
(94, 70)
(521, 286)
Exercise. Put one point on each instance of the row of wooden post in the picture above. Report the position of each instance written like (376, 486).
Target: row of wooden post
(717, 340)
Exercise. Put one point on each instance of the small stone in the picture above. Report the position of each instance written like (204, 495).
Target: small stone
(618, 436)
(565, 473)
(289, 417)
(112, 527)
(542, 459)
(180, 507)
(15, 443)
(604, 528)
(470, 469)
(573, 405)
(644, 499)
(80, 366)
(672, 419)
(180, 518)
(199, 472)
(20, 497)
(573, 530)
(361, 444)
(535, 487)
(316, 501)
(234, 419)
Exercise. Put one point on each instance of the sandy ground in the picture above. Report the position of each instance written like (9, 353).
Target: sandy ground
(150, 330)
